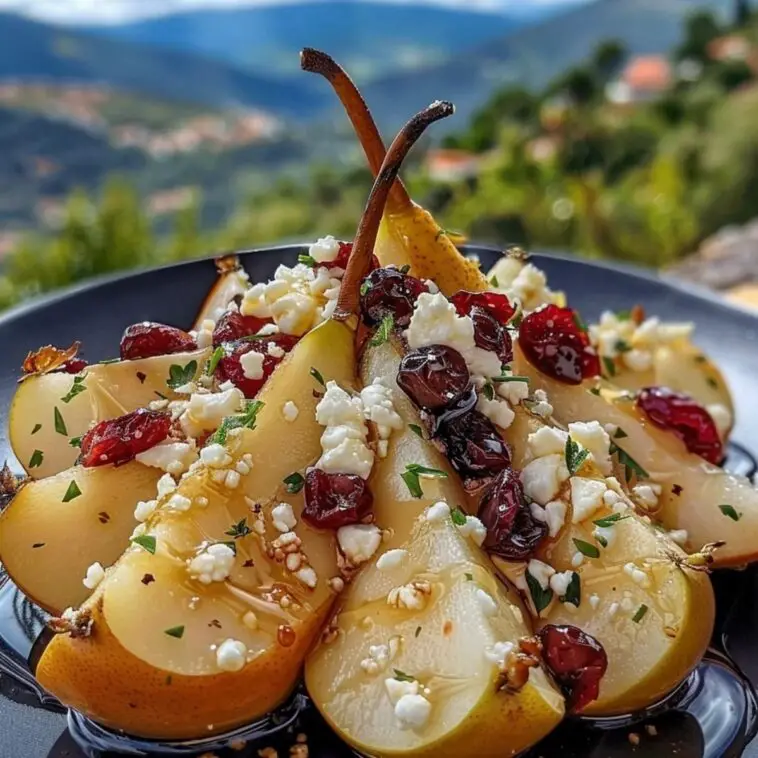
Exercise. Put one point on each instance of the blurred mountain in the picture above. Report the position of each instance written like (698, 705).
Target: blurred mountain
(534, 55)
(372, 38)
(35, 50)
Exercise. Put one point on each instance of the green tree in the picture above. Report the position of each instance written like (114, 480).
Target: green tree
(607, 58)
(700, 30)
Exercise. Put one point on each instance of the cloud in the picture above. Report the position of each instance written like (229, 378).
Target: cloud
(115, 11)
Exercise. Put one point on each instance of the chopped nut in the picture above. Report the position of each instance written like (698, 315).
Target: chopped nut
(515, 672)
(268, 752)
(47, 359)
(651, 730)
(75, 622)
(634, 738)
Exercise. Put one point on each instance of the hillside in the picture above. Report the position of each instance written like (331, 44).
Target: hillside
(31, 49)
(533, 56)
(372, 38)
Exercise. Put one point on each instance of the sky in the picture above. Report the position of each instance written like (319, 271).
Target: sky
(115, 11)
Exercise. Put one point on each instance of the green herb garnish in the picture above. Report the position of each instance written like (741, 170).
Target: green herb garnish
(622, 346)
(239, 530)
(383, 331)
(401, 676)
(494, 282)
(365, 287)
(75, 441)
(469, 577)
(416, 429)
(586, 549)
(145, 541)
(212, 364)
(246, 420)
(630, 465)
(619, 434)
(175, 631)
(488, 390)
(37, 427)
(76, 388)
(36, 459)
(417, 632)
(412, 473)
(607, 521)
(316, 374)
(307, 260)
(72, 492)
(640, 614)
(60, 424)
(573, 591)
(541, 598)
(294, 483)
(458, 516)
(610, 366)
(178, 376)
(580, 325)
(576, 455)
(728, 510)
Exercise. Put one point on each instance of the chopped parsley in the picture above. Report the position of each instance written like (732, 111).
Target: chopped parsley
(701, 359)
(595, 391)
(37, 427)
(711, 382)
(238, 530)
(294, 483)
(458, 516)
(60, 424)
(412, 473)
(469, 577)
(383, 331)
(607, 521)
(630, 465)
(586, 549)
(36, 460)
(494, 282)
(146, 542)
(401, 676)
(76, 441)
(609, 365)
(623, 315)
(72, 492)
(175, 631)
(76, 388)
(416, 429)
(640, 614)
(307, 260)
(729, 511)
(541, 598)
(576, 455)
(107, 361)
(622, 346)
(509, 378)
(405, 269)
(212, 364)
(619, 434)
(573, 591)
(417, 632)
(178, 376)
(316, 374)
(580, 325)
(246, 420)
(488, 390)
(365, 287)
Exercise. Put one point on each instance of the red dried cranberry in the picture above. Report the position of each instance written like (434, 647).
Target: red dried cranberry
(512, 532)
(335, 500)
(343, 257)
(683, 416)
(73, 366)
(120, 439)
(576, 660)
(147, 339)
(495, 303)
(388, 291)
(490, 335)
(553, 341)
(230, 369)
(473, 446)
(233, 326)
(433, 376)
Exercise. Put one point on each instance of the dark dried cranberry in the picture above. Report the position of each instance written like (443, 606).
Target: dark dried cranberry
(388, 291)
(553, 341)
(473, 446)
(683, 416)
(433, 376)
(512, 532)
(343, 257)
(230, 366)
(73, 366)
(490, 335)
(147, 339)
(233, 326)
(120, 439)
(335, 500)
(576, 660)
(495, 303)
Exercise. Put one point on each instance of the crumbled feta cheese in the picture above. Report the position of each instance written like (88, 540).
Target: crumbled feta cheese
(324, 250)
(178, 503)
(166, 485)
(412, 596)
(173, 457)
(274, 350)
(204, 335)
(513, 392)
(412, 711)
(145, 509)
(679, 536)
(721, 417)
(591, 436)
(307, 576)
(252, 365)
(290, 411)
(391, 559)
(232, 480)
(646, 495)
(213, 564)
(527, 284)
(496, 410)
(438, 512)
(637, 575)
(397, 689)
(207, 410)
(547, 441)
(540, 405)
(230, 655)
(586, 497)
(577, 559)
(95, 575)
(378, 408)
(498, 653)
(283, 517)
(542, 478)
(594, 601)
(380, 656)
(605, 535)
(474, 529)
(358, 542)
(541, 572)
(435, 321)
(250, 620)
(610, 498)
(215, 456)
(486, 602)
(555, 516)
(559, 582)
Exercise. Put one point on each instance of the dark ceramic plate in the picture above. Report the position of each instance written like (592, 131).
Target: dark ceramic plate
(712, 715)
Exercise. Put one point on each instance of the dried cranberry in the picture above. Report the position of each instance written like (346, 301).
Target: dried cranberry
(120, 439)
(684, 417)
(433, 376)
(335, 500)
(73, 366)
(576, 660)
(343, 257)
(473, 446)
(230, 367)
(147, 339)
(490, 335)
(512, 532)
(553, 341)
(233, 326)
(495, 303)
(388, 291)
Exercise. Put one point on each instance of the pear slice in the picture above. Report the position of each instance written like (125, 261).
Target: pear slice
(110, 390)
(654, 626)
(232, 281)
(708, 503)
(48, 539)
(181, 618)
(443, 644)
(408, 235)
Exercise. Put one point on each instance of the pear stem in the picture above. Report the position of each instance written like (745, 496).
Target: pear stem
(365, 238)
(358, 112)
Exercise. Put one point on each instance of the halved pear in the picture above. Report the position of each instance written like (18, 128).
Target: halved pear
(49, 539)
(232, 281)
(110, 390)
(446, 645)
(654, 626)
(705, 501)
(129, 673)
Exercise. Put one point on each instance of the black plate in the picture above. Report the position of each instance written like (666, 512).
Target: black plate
(713, 715)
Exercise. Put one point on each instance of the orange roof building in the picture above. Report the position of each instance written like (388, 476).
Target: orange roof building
(451, 165)
(644, 78)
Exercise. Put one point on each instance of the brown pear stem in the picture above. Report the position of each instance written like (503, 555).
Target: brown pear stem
(365, 238)
(358, 112)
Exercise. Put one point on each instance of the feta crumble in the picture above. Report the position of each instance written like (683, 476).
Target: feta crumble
(359, 542)
(290, 411)
(541, 572)
(95, 575)
(391, 559)
(213, 564)
(252, 365)
(283, 517)
(230, 655)
(173, 457)
(379, 409)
